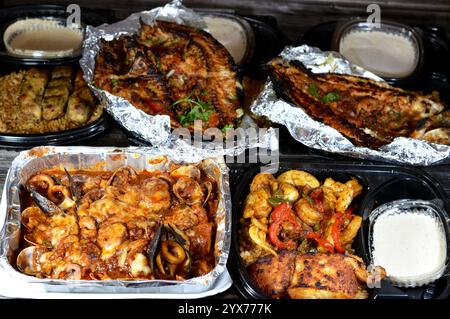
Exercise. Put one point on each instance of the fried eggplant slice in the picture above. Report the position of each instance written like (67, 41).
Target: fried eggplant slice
(368, 112)
(80, 106)
(62, 72)
(31, 92)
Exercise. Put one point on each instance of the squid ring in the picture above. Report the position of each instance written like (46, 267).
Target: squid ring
(42, 180)
(173, 252)
(55, 190)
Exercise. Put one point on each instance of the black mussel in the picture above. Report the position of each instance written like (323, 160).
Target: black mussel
(43, 203)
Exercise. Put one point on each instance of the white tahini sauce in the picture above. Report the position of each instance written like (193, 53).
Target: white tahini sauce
(408, 245)
(230, 33)
(48, 40)
(385, 54)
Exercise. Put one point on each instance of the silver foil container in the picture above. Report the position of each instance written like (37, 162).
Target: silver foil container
(104, 159)
(155, 129)
(319, 136)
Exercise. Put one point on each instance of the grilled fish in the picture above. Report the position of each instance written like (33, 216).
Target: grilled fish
(313, 276)
(368, 112)
(174, 70)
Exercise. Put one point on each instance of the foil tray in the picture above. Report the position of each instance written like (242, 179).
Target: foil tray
(108, 158)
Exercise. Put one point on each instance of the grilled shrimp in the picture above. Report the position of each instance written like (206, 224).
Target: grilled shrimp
(298, 179)
(264, 181)
(257, 204)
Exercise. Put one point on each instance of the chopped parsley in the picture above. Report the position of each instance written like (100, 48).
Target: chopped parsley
(114, 82)
(227, 127)
(313, 90)
(331, 97)
(199, 110)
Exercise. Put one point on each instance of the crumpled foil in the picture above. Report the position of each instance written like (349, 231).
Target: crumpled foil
(155, 129)
(108, 158)
(320, 136)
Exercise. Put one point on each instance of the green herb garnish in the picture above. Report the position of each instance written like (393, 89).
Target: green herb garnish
(313, 90)
(114, 82)
(227, 127)
(331, 97)
(199, 110)
(159, 40)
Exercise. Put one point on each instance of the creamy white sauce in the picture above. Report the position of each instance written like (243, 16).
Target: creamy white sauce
(385, 54)
(48, 40)
(408, 245)
(230, 34)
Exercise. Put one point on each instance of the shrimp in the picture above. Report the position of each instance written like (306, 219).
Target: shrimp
(307, 213)
(257, 204)
(264, 181)
(288, 192)
(299, 179)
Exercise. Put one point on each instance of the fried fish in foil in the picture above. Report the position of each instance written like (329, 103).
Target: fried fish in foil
(370, 113)
(172, 69)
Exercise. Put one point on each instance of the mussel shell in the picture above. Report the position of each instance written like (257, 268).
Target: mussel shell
(27, 260)
(74, 190)
(43, 203)
(209, 188)
(188, 191)
(28, 213)
(187, 171)
(122, 176)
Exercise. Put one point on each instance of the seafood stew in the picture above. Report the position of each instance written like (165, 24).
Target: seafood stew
(128, 225)
(296, 237)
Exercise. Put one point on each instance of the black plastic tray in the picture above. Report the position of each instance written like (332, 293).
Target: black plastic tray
(10, 14)
(76, 135)
(377, 179)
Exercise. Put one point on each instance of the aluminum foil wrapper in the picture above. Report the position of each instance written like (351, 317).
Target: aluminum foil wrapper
(154, 129)
(317, 135)
(108, 158)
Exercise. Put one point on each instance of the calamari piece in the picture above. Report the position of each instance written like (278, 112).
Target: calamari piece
(258, 236)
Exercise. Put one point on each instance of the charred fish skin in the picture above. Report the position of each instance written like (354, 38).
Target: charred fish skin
(185, 73)
(368, 112)
(284, 74)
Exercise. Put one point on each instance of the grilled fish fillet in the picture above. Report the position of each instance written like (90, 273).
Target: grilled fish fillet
(171, 69)
(368, 112)
(313, 276)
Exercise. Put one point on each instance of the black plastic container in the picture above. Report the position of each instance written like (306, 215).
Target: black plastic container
(381, 182)
(10, 14)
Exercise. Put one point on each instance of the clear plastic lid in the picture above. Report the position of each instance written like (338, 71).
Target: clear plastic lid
(44, 38)
(403, 239)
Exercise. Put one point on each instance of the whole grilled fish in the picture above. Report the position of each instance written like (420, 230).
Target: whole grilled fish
(368, 112)
(172, 69)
